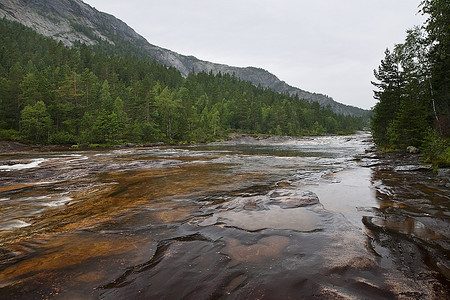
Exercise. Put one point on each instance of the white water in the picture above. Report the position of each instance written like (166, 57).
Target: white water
(34, 163)
(13, 224)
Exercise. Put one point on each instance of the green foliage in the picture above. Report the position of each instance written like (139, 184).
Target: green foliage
(436, 149)
(62, 138)
(86, 95)
(84, 29)
(107, 127)
(413, 87)
(389, 93)
(86, 135)
(106, 99)
(10, 135)
(36, 122)
(145, 132)
(438, 29)
(408, 127)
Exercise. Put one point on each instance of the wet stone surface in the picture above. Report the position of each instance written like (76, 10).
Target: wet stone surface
(279, 218)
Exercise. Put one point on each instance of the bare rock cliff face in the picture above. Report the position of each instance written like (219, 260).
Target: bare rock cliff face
(71, 21)
(56, 18)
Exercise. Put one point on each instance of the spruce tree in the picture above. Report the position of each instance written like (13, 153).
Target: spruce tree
(389, 95)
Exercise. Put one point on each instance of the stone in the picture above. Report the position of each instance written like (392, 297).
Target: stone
(286, 198)
(412, 150)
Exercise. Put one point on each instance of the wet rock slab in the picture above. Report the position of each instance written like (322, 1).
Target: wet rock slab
(258, 219)
(290, 198)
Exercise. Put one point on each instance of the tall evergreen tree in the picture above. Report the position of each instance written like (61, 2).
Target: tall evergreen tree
(389, 95)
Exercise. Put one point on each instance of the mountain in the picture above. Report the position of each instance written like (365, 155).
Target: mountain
(72, 21)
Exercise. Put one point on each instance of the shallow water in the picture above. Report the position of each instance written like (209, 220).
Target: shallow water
(270, 219)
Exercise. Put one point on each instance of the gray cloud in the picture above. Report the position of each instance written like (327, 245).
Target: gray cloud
(324, 46)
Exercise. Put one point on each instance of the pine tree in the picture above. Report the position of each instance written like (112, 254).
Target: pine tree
(389, 95)
(106, 99)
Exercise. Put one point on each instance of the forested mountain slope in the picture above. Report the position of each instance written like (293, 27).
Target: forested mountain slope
(50, 93)
(72, 21)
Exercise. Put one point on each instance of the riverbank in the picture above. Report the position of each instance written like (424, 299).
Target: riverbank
(411, 226)
(12, 146)
(15, 147)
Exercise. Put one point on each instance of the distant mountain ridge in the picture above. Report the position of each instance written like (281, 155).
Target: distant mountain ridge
(71, 21)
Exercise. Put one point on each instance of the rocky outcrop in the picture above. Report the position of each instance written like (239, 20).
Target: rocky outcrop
(71, 21)
(65, 21)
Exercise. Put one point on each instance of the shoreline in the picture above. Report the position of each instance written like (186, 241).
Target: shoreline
(17, 147)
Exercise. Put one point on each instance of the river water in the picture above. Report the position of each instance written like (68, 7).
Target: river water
(277, 218)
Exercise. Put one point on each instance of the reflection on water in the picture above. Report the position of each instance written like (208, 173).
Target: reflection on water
(267, 248)
(410, 227)
(274, 218)
(411, 230)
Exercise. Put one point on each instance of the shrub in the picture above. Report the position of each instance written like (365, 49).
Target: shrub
(62, 138)
(436, 149)
(10, 135)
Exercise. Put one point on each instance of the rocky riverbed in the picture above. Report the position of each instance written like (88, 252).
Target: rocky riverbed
(273, 218)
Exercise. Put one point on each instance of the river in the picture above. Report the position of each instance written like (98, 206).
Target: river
(274, 218)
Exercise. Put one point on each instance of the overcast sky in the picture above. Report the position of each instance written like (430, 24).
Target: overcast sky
(324, 46)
